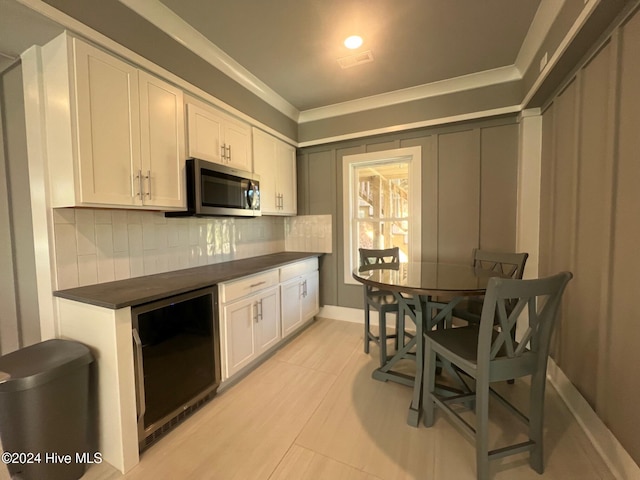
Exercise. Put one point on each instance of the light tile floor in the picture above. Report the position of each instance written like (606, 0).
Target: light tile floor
(313, 412)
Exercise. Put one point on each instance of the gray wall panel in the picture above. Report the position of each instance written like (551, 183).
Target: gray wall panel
(432, 108)
(623, 415)
(322, 201)
(348, 295)
(584, 299)
(458, 195)
(590, 224)
(459, 159)
(499, 200)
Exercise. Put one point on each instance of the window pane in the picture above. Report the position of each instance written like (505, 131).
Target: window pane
(384, 234)
(383, 190)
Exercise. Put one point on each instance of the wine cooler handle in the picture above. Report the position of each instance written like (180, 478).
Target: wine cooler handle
(139, 371)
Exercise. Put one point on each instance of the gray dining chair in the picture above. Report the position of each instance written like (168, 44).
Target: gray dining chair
(381, 300)
(505, 263)
(488, 354)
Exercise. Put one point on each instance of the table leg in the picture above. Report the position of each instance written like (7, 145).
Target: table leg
(419, 308)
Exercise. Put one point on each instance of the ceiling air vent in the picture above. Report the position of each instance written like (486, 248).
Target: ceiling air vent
(356, 59)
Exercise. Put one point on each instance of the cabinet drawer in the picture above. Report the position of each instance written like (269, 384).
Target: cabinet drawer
(247, 285)
(299, 268)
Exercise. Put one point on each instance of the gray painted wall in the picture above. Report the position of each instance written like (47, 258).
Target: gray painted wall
(469, 178)
(501, 95)
(19, 317)
(590, 225)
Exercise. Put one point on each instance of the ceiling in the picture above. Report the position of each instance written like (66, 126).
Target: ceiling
(291, 47)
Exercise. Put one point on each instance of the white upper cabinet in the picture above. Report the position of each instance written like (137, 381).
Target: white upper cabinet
(216, 137)
(275, 162)
(115, 135)
(162, 142)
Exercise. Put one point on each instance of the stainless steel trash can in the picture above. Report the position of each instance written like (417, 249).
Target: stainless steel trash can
(44, 408)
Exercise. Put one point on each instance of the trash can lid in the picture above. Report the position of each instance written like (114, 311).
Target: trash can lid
(40, 363)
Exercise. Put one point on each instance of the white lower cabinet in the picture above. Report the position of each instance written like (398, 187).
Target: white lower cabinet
(299, 294)
(250, 319)
(258, 311)
(251, 326)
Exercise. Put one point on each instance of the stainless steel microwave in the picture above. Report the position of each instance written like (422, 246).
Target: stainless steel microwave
(219, 190)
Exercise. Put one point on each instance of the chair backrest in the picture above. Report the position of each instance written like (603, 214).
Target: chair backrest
(375, 257)
(541, 298)
(511, 264)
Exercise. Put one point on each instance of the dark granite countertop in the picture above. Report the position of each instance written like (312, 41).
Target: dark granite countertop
(139, 290)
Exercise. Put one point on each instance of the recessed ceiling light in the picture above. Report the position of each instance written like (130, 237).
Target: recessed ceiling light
(353, 42)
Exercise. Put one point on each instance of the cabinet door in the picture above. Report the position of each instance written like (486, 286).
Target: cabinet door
(240, 324)
(162, 142)
(310, 296)
(237, 141)
(268, 331)
(108, 127)
(290, 295)
(204, 132)
(264, 164)
(286, 157)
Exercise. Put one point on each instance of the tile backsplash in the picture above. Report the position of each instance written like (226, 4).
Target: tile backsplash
(100, 245)
(308, 233)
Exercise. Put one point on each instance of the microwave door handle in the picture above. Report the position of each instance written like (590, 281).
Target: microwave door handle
(250, 193)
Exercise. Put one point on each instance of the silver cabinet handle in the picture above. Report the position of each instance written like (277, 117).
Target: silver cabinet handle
(139, 374)
(255, 312)
(148, 177)
(253, 285)
(260, 309)
(229, 152)
(304, 289)
(139, 179)
(223, 155)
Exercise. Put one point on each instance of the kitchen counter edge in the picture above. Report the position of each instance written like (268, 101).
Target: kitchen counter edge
(136, 291)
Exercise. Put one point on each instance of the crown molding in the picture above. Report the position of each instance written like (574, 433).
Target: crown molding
(174, 26)
(443, 87)
(542, 21)
(588, 9)
(409, 126)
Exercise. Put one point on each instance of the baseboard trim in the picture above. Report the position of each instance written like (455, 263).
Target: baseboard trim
(612, 452)
(346, 314)
(606, 444)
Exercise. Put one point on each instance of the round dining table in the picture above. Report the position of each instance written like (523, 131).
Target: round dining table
(427, 293)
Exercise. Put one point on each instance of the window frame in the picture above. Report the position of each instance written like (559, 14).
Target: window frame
(411, 155)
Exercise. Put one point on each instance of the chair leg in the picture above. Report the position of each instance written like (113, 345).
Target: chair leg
(429, 385)
(400, 329)
(536, 421)
(511, 381)
(367, 334)
(382, 336)
(482, 429)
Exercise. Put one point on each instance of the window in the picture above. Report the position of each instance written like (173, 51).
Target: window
(381, 201)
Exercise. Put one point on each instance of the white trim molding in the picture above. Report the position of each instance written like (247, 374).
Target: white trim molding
(408, 126)
(607, 445)
(166, 20)
(412, 156)
(434, 89)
